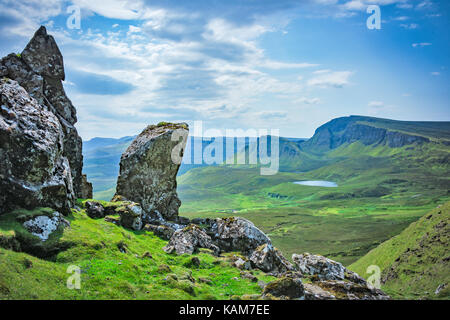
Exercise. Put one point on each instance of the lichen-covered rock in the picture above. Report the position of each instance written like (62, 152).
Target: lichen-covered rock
(314, 292)
(86, 188)
(40, 71)
(162, 231)
(269, 259)
(131, 216)
(347, 290)
(324, 268)
(189, 240)
(43, 226)
(285, 287)
(148, 169)
(33, 171)
(237, 234)
(94, 209)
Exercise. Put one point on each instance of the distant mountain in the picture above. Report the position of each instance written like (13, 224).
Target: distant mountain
(375, 131)
(416, 263)
(102, 157)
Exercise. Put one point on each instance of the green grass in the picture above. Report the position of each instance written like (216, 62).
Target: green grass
(381, 191)
(107, 273)
(415, 262)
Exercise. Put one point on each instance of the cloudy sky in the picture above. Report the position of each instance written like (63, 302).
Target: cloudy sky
(277, 64)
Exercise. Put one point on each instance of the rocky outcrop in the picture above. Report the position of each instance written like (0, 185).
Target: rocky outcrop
(148, 169)
(86, 188)
(39, 69)
(189, 240)
(34, 171)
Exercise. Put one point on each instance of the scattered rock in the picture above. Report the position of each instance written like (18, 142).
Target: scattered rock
(351, 291)
(94, 209)
(164, 268)
(43, 226)
(249, 276)
(241, 263)
(205, 280)
(269, 259)
(162, 231)
(130, 216)
(112, 219)
(440, 288)
(285, 287)
(195, 262)
(314, 292)
(147, 255)
(237, 234)
(148, 172)
(188, 240)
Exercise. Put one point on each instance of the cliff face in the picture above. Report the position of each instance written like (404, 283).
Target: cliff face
(148, 171)
(363, 129)
(40, 148)
(39, 69)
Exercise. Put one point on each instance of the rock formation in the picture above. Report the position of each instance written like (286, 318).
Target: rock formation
(34, 171)
(148, 169)
(39, 69)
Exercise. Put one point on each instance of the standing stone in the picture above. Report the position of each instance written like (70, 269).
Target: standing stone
(148, 169)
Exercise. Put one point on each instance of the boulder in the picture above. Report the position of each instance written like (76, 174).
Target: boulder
(94, 209)
(43, 226)
(285, 288)
(347, 290)
(269, 259)
(314, 292)
(162, 231)
(148, 168)
(131, 215)
(237, 234)
(34, 170)
(324, 268)
(189, 240)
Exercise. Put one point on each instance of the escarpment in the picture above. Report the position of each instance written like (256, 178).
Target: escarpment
(40, 151)
(362, 129)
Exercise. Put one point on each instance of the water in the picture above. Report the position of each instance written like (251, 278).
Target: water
(318, 183)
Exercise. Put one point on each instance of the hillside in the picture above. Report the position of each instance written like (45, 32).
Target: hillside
(115, 263)
(415, 263)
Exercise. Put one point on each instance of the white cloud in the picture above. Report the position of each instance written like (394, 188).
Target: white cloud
(376, 104)
(435, 73)
(410, 26)
(305, 100)
(337, 79)
(421, 44)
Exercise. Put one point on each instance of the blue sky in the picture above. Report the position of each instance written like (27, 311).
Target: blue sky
(288, 65)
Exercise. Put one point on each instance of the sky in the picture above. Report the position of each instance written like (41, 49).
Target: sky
(234, 64)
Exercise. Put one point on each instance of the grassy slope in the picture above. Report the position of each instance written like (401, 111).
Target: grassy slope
(415, 262)
(107, 273)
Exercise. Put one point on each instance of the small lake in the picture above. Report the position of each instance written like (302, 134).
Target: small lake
(318, 183)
